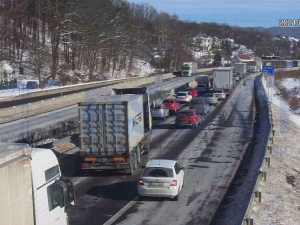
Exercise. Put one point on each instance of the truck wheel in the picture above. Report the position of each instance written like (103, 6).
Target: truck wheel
(138, 152)
(131, 169)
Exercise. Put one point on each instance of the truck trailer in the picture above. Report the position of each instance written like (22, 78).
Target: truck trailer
(223, 79)
(240, 69)
(189, 69)
(204, 79)
(115, 130)
(32, 190)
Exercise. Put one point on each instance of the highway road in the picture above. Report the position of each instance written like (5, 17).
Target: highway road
(10, 131)
(211, 154)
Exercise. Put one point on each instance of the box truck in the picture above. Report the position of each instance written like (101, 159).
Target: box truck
(240, 70)
(223, 79)
(32, 190)
(189, 69)
(204, 79)
(259, 65)
(115, 130)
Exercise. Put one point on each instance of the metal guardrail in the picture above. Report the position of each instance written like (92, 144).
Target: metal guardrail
(262, 175)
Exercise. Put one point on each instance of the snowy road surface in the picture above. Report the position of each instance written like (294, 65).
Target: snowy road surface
(211, 154)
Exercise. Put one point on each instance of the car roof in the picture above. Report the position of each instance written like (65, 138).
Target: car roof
(182, 92)
(161, 163)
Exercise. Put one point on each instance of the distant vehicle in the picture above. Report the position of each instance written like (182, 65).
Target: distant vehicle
(223, 79)
(33, 191)
(220, 94)
(160, 111)
(172, 104)
(253, 69)
(258, 65)
(240, 70)
(161, 178)
(115, 130)
(188, 117)
(210, 98)
(183, 97)
(189, 69)
(204, 79)
(200, 105)
(191, 91)
(201, 89)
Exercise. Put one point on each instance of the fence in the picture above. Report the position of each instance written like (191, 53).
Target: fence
(262, 175)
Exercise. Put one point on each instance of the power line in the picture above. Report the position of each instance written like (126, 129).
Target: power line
(216, 3)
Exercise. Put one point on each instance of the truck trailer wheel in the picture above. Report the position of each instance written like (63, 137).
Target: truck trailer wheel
(131, 169)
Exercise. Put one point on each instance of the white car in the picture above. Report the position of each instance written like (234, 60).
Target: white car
(161, 178)
(220, 94)
(183, 96)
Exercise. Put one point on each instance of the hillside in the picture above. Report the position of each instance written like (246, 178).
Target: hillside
(282, 31)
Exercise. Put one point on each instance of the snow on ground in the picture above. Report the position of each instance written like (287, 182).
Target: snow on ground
(290, 83)
(281, 192)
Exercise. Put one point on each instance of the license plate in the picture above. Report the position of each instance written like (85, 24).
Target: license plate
(157, 184)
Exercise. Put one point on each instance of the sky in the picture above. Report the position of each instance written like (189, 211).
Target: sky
(243, 13)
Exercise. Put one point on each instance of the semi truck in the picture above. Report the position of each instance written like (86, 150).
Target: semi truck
(32, 189)
(223, 79)
(240, 69)
(189, 69)
(115, 130)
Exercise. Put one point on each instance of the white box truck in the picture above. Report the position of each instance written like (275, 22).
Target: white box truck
(32, 190)
(240, 70)
(189, 69)
(223, 79)
(258, 65)
(115, 130)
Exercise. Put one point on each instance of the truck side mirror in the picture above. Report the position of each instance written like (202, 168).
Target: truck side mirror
(68, 191)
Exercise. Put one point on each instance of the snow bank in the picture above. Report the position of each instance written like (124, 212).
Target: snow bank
(281, 192)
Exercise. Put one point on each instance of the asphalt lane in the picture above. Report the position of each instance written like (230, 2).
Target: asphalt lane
(103, 195)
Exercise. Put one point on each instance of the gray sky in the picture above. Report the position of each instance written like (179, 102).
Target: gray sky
(264, 13)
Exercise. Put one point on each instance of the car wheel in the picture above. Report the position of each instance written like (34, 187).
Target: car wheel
(196, 125)
(176, 198)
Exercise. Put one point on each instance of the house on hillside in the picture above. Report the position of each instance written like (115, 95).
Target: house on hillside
(241, 58)
(6, 71)
(226, 60)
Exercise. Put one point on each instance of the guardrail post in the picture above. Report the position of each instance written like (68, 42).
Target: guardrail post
(268, 161)
(270, 149)
(273, 132)
(272, 124)
(258, 195)
(263, 174)
(249, 221)
(271, 139)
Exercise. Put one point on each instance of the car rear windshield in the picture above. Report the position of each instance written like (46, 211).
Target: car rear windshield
(197, 101)
(157, 172)
(201, 85)
(185, 114)
(218, 91)
(208, 95)
(181, 94)
(168, 101)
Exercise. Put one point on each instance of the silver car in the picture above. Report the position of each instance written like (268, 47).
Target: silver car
(210, 98)
(200, 105)
(160, 111)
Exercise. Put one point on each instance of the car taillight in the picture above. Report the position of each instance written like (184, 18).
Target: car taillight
(141, 182)
(174, 183)
(160, 107)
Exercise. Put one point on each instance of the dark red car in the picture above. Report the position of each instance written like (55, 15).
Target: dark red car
(188, 117)
(172, 104)
(191, 91)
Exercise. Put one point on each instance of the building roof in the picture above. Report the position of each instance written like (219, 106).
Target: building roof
(244, 57)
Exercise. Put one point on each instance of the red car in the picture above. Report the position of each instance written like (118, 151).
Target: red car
(188, 117)
(172, 104)
(191, 91)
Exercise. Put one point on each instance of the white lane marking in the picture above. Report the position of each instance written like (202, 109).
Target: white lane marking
(121, 212)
